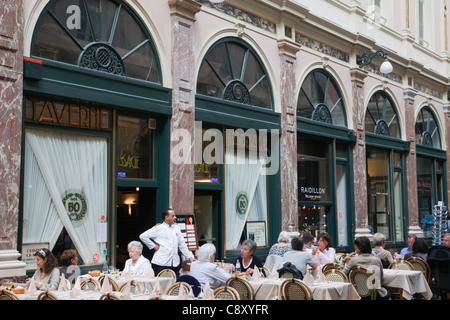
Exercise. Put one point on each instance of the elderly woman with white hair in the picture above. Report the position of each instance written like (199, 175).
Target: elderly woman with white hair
(283, 245)
(379, 241)
(204, 269)
(137, 264)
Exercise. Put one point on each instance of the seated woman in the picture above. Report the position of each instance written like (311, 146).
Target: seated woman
(419, 250)
(204, 269)
(363, 257)
(69, 260)
(248, 261)
(137, 264)
(323, 253)
(379, 241)
(283, 245)
(46, 276)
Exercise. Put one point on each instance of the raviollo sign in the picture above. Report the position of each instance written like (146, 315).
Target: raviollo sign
(76, 206)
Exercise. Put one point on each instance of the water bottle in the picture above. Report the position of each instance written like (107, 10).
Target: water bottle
(238, 266)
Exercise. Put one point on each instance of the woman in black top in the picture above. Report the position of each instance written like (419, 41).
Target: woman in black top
(248, 261)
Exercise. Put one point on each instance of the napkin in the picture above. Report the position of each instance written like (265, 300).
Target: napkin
(274, 273)
(76, 291)
(182, 293)
(320, 277)
(208, 293)
(256, 276)
(308, 279)
(126, 292)
(32, 288)
(150, 273)
(106, 287)
(157, 290)
(63, 283)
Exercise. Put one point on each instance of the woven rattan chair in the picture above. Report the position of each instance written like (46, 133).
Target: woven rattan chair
(401, 264)
(8, 295)
(266, 272)
(360, 278)
(335, 275)
(109, 296)
(90, 284)
(47, 296)
(112, 282)
(133, 286)
(421, 265)
(174, 290)
(294, 289)
(167, 273)
(242, 286)
(226, 293)
(328, 266)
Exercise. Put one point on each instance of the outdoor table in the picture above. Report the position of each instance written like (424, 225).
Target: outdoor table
(410, 281)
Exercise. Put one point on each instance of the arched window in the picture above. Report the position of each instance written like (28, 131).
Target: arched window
(427, 130)
(232, 71)
(381, 116)
(320, 99)
(96, 34)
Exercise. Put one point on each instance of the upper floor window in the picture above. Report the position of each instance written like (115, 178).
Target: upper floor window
(232, 71)
(103, 35)
(427, 130)
(320, 99)
(381, 116)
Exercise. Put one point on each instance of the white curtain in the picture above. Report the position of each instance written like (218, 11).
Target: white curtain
(241, 175)
(55, 163)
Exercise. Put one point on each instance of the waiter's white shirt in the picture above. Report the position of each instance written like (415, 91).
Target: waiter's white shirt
(170, 239)
(203, 270)
(140, 268)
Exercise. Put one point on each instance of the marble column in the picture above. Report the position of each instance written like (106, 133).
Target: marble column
(288, 138)
(11, 86)
(411, 163)
(181, 194)
(359, 154)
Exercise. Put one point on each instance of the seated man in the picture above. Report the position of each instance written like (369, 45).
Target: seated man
(363, 257)
(300, 259)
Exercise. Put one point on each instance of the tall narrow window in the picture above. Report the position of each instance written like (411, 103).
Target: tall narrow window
(421, 21)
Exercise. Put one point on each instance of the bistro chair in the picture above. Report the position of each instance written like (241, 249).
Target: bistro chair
(330, 265)
(8, 295)
(266, 272)
(359, 277)
(90, 284)
(335, 275)
(167, 273)
(112, 282)
(242, 286)
(47, 296)
(294, 289)
(174, 290)
(226, 293)
(401, 264)
(133, 286)
(193, 282)
(421, 265)
(109, 296)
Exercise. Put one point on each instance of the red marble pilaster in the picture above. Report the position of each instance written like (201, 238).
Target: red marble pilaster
(447, 139)
(181, 194)
(11, 87)
(288, 138)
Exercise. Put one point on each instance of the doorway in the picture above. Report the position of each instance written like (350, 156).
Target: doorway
(136, 212)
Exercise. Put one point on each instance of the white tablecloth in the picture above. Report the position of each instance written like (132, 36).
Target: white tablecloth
(410, 281)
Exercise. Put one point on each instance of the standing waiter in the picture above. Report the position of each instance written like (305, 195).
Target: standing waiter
(166, 238)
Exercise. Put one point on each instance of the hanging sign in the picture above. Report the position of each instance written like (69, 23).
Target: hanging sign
(188, 228)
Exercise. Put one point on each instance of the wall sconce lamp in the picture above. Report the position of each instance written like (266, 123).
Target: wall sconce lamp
(366, 59)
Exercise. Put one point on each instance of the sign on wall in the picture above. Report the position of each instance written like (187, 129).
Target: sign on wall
(187, 225)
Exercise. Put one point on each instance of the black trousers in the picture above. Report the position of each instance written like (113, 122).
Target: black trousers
(157, 269)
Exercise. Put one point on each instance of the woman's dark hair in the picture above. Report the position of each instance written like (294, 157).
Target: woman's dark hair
(51, 262)
(420, 246)
(326, 237)
(363, 244)
(297, 243)
(67, 256)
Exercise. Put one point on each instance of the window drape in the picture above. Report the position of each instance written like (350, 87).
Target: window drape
(56, 163)
(243, 176)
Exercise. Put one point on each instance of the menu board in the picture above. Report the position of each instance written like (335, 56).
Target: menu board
(187, 225)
